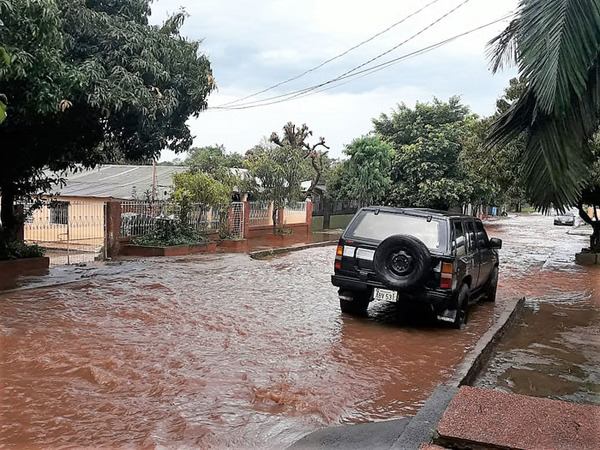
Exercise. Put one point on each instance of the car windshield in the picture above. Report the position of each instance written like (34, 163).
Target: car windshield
(377, 227)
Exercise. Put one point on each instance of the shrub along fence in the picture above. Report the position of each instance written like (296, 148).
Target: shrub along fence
(76, 231)
(239, 220)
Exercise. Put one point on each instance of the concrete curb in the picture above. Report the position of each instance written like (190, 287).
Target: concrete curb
(470, 367)
(260, 254)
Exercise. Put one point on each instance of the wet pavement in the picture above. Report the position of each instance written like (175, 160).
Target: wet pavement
(222, 350)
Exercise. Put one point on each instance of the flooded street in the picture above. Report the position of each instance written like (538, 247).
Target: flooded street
(221, 350)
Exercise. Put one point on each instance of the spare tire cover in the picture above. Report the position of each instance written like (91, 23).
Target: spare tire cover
(402, 261)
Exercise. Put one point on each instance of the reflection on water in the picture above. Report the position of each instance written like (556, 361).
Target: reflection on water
(224, 351)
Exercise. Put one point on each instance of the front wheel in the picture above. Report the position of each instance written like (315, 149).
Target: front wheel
(354, 303)
(491, 286)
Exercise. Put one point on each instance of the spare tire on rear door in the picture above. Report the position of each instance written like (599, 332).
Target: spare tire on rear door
(402, 261)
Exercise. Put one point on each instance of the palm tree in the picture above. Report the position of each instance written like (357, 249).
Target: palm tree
(556, 46)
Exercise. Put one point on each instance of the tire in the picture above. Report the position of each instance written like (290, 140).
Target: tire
(355, 307)
(462, 307)
(402, 261)
(491, 286)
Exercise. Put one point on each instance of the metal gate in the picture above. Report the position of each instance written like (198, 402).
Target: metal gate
(236, 220)
(72, 232)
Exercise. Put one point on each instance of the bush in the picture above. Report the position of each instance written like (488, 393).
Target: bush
(168, 232)
(19, 250)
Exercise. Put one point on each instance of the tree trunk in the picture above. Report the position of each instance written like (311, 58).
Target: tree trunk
(8, 232)
(595, 238)
(274, 218)
(595, 224)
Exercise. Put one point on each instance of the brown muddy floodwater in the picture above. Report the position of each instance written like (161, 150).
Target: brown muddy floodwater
(554, 349)
(221, 350)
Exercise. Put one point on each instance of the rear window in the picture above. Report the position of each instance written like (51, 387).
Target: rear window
(377, 227)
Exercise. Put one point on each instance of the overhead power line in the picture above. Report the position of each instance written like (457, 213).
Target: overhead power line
(293, 94)
(356, 75)
(300, 75)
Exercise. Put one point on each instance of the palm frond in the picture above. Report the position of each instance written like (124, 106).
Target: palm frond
(517, 119)
(558, 41)
(502, 50)
(554, 164)
(557, 152)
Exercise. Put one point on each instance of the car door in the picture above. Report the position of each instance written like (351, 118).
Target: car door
(472, 252)
(486, 255)
(459, 249)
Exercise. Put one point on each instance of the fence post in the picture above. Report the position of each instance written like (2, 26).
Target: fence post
(113, 227)
(246, 219)
(309, 209)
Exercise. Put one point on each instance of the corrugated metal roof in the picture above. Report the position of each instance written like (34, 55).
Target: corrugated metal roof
(125, 182)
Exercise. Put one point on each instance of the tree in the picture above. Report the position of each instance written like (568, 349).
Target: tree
(427, 141)
(215, 161)
(213, 158)
(91, 82)
(590, 196)
(556, 45)
(279, 169)
(193, 186)
(295, 138)
(366, 175)
(495, 173)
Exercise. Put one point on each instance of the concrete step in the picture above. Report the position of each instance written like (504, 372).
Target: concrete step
(480, 418)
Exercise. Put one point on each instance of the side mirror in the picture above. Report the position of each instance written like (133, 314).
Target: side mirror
(496, 243)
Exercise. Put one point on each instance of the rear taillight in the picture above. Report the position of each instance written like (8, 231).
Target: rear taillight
(338, 257)
(446, 276)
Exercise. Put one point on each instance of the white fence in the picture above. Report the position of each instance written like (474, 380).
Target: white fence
(139, 218)
(70, 231)
(261, 214)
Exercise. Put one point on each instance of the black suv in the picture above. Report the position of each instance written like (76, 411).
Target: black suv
(439, 259)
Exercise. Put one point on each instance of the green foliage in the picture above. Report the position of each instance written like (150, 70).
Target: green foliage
(279, 170)
(223, 167)
(495, 173)
(91, 82)
(366, 175)
(18, 250)
(169, 232)
(314, 160)
(213, 159)
(556, 45)
(193, 186)
(428, 141)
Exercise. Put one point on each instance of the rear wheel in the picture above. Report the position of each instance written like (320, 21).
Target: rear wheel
(491, 286)
(354, 303)
(462, 307)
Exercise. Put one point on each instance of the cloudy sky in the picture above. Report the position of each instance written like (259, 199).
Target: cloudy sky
(256, 44)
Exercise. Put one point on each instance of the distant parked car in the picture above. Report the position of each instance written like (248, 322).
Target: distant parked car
(565, 219)
(442, 260)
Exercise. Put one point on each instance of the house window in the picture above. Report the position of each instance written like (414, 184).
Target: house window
(59, 213)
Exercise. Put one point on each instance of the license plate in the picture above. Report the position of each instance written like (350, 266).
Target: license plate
(385, 295)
